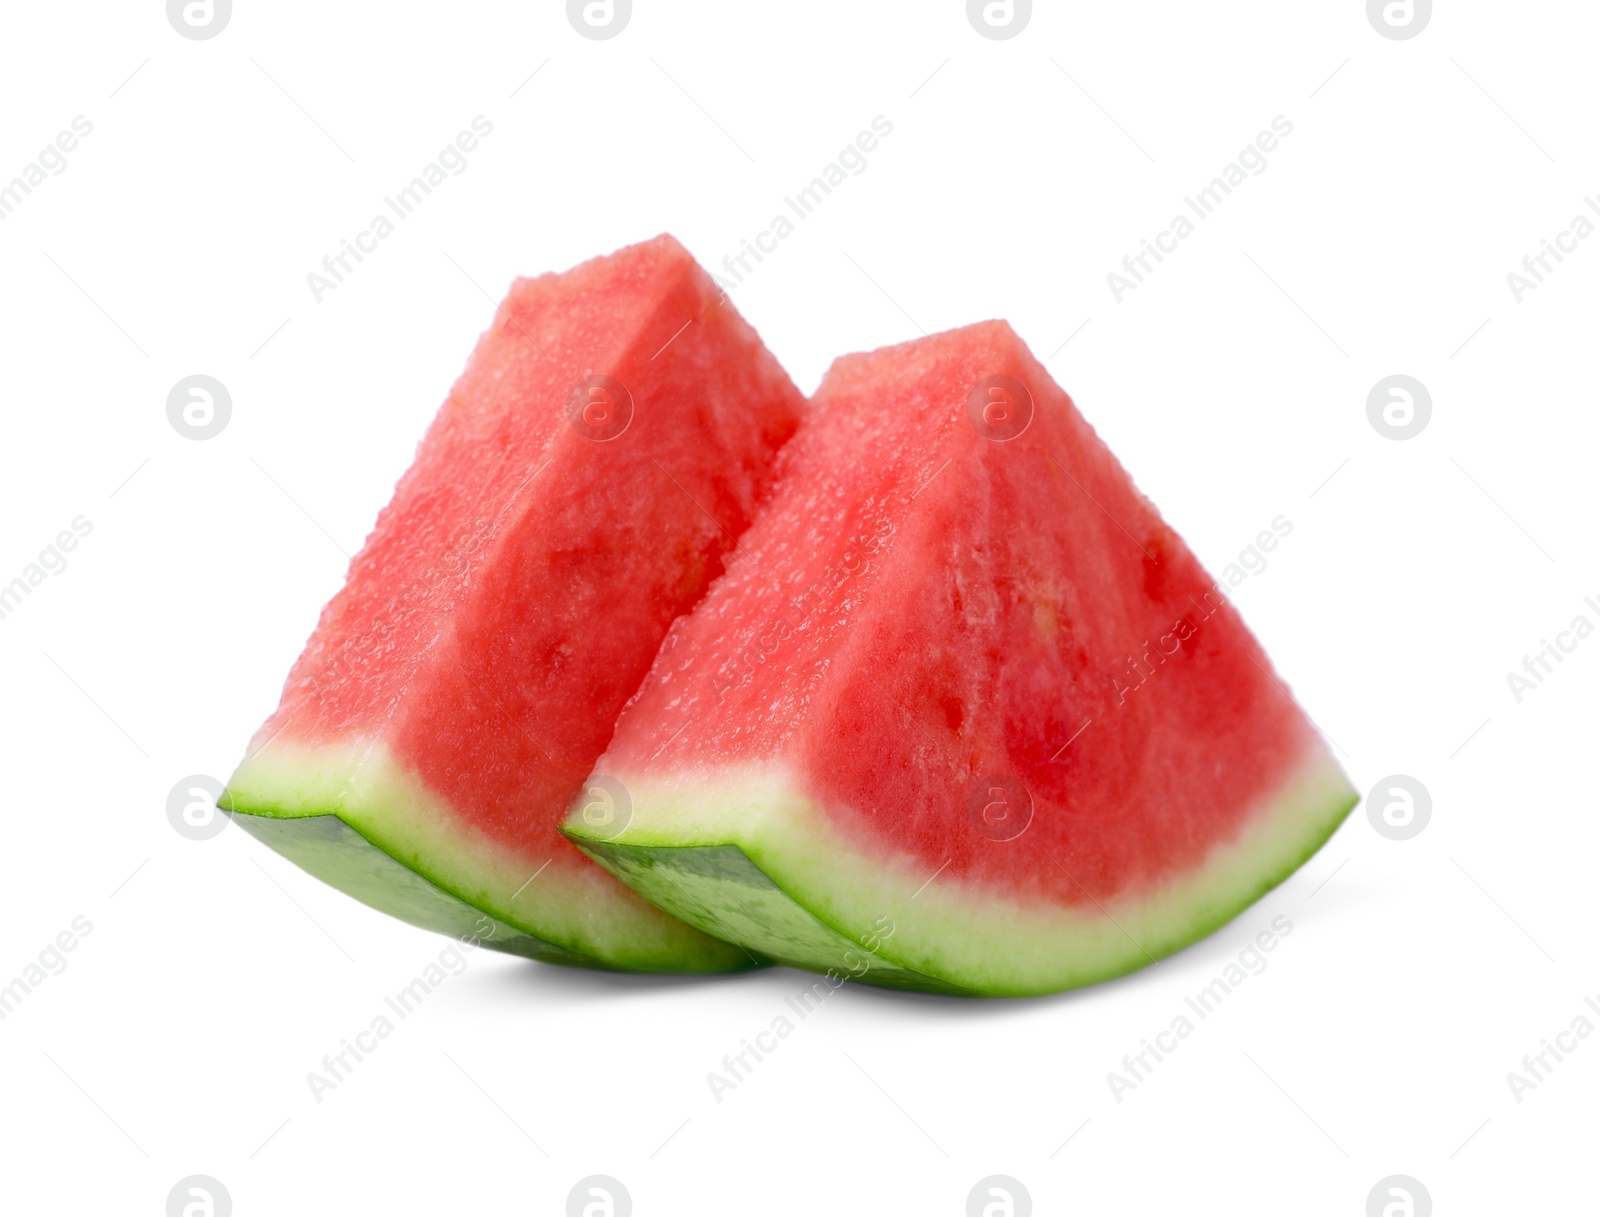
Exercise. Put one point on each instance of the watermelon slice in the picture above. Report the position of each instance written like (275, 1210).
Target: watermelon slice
(964, 714)
(609, 440)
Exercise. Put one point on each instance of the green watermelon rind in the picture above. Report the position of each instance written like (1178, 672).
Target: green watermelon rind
(351, 818)
(328, 848)
(745, 858)
(722, 886)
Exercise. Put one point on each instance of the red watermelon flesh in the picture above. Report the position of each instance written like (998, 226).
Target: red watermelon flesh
(964, 712)
(609, 440)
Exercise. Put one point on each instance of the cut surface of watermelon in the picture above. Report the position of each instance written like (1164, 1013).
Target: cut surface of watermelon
(608, 441)
(964, 713)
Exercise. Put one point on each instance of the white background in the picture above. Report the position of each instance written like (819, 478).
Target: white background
(1233, 384)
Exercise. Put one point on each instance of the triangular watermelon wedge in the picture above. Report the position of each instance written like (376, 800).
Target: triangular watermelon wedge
(964, 714)
(608, 442)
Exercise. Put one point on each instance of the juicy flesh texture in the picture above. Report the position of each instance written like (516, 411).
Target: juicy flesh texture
(921, 609)
(513, 593)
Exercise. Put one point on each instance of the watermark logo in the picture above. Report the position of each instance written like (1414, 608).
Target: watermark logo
(52, 560)
(999, 1196)
(999, 807)
(599, 1196)
(199, 407)
(1399, 19)
(1543, 662)
(50, 961)
(452, 160)
(605, 807)
(1138, 1067)
(599, 407)
(1252, 559)
(851, 161)
(199, 19)
(192, 808)
(339, 1066)
(199, 1196)
(1252, 161)
(1399, 807)
(999, 19)
(1399, 407)
(1538, 1066)
(999, 408)
(50, 162)
(599, 19)
(1536, 266)
(740, 1065)
(1399, 1196)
